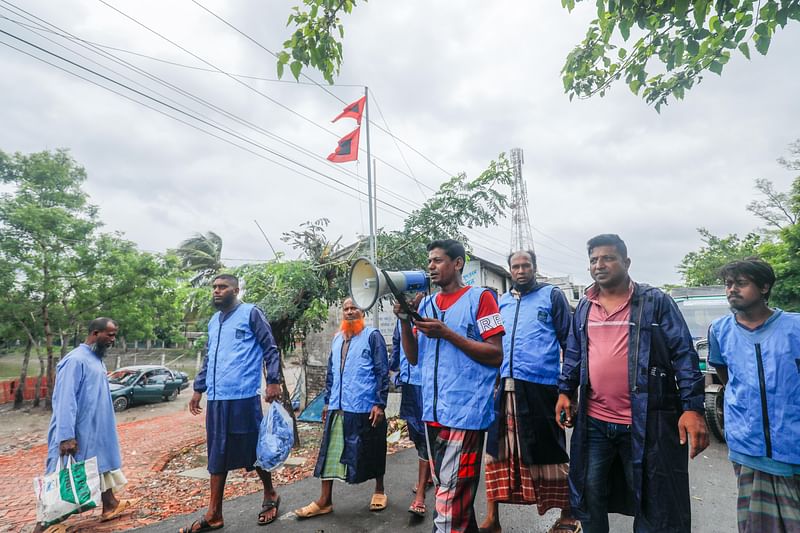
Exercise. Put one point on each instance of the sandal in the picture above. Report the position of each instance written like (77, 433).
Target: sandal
(561, 526)
(122, 506)
(311, 510)
(204, 526)
(378, 502)
(417, 509)
(266, 507)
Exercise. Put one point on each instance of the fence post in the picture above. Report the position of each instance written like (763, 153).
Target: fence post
(117, 365)
(199, 359)
(163, 358)
(135, 355)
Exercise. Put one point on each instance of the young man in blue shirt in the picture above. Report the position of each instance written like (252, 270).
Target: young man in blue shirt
(756, 351)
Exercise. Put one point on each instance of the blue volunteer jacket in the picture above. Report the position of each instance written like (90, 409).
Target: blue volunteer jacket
(406, 372)
(762, 397)
(364, 380)
(234, 357)
(537, 326)
(457, 391)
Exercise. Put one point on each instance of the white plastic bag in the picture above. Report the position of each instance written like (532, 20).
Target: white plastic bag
(73, 488)
(275, 438)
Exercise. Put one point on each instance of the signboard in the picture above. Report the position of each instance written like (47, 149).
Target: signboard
(472, 273)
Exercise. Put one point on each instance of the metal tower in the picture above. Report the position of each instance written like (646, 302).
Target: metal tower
(521, 234)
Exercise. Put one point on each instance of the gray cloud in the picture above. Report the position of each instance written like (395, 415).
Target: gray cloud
(459, 84)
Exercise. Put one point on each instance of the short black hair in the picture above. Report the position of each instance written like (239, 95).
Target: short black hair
(230, 278)
(753, 268)
(529, 252)
(451, 247)
(607, 239)
(99, 324)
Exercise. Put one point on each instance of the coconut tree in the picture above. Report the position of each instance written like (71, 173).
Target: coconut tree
(200, 255)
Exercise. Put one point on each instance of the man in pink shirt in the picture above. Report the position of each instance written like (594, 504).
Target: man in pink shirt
(631, 355)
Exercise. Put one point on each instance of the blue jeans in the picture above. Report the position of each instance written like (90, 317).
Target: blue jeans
(606, 441)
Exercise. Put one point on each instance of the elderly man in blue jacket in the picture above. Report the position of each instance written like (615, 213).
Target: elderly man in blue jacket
(755, 352)
(353, 447)
(630, 354)
(240, 344)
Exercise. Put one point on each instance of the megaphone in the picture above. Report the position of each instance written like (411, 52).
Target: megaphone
(368, 283)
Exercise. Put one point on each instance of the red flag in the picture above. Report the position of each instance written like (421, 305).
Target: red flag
(354, 110)
(347, 149)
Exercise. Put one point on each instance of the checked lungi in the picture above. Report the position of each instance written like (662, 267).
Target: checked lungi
(509, 480)
(455, 458)
(767, 503)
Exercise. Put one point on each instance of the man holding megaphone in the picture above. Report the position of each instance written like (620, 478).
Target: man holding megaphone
(456, 340)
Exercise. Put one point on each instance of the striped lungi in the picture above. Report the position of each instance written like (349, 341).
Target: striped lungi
(767, 503)
(508, 480)
(455, 459)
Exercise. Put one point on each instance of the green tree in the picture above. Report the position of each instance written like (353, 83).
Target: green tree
(46, 223)
(64, 272)
(672, 42)
(700, 268)
(201, 255)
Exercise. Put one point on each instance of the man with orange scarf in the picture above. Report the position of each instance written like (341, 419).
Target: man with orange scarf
(353, 445)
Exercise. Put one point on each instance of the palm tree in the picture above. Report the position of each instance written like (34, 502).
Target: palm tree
(201, 256)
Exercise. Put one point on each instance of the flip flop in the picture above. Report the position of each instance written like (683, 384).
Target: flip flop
(378, 502)
(560, 526)
(267, 506)
(122, 506)
(311, 510)
(204, 526)
(417, 509)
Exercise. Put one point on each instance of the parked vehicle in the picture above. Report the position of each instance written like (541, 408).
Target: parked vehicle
(182, 377)
(700, 306)
(134, 385)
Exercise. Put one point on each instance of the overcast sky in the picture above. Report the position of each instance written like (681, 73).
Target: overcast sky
(459, 82)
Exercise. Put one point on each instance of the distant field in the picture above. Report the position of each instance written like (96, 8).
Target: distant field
(11, 363)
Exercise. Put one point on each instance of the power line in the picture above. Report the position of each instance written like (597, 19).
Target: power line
(240, 82)
(183, 65)
(272, 53)
(198, 100)
(260, 45)
(233, 134)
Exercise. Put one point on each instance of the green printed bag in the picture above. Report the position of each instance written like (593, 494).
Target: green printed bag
(73, 489)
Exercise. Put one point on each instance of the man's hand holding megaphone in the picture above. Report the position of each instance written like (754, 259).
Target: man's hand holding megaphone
(431, 327)
(401, 313)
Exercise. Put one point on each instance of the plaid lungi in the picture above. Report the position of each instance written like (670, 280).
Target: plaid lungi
(455, 458)
(508, 480)
(767, 503)
(333, 468)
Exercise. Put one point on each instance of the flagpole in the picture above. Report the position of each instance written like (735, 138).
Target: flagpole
(371, 196)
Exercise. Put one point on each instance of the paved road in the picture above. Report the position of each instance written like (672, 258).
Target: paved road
(713, 491)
